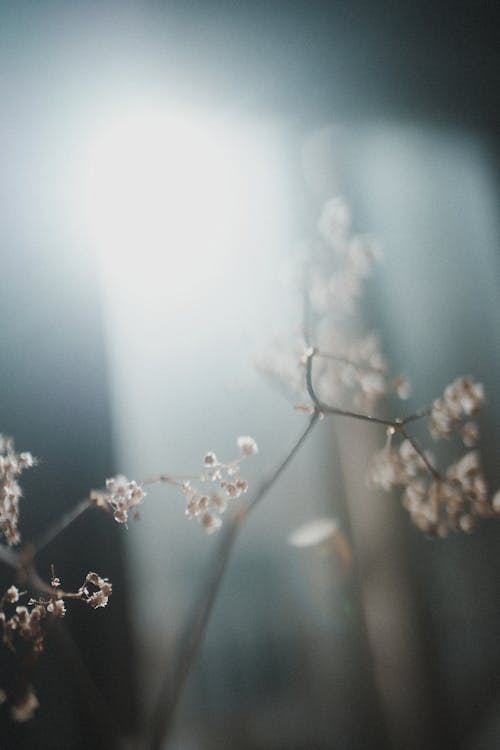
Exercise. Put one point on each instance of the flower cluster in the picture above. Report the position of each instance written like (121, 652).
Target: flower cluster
(392, 467)
(207, 508)
(356, 372)
(440, 501)
(95, 591)
(24, 626)
(461, 399)
(119, 497)
(337, 287)
(12, 464)
(348, 368)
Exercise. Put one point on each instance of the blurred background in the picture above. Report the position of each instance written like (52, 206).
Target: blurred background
(160, 161)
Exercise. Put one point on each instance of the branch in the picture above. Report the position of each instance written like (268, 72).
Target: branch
(66, 520)
(161, 721)
(430, 468)
(322, 408)
(9, 556)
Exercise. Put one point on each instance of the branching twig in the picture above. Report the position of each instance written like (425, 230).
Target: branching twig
(161, 720)
(430, 468)
(319, 406)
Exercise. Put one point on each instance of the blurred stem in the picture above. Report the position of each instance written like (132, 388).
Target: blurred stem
(319, 406)
(394, 425)
(9, 557)
(430, 468)
(66, 520)
(162, 718)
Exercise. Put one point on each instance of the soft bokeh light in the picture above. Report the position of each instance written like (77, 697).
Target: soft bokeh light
(164, 193)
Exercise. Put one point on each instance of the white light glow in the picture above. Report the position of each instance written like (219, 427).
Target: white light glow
(164, 192)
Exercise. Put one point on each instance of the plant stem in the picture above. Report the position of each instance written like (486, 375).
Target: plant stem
(430, 468)
(323, 408)
(66, 520)
(161, 721)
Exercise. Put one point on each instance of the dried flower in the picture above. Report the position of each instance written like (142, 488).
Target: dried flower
(462, 398)
(12, 595)
(102, 590)
(12, 464)
(119, 497)
(56, 607)
(25, 708)
(211, 522)
(437, 502)
(247, 446)
(207, 508)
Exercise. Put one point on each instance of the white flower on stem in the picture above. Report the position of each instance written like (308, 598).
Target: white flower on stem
(57, 607)
(211, 522)
(12, 595)
(100, 595)
(120, 496)
(208, 507)
(461, 398)
(247, 445)
(12, 464)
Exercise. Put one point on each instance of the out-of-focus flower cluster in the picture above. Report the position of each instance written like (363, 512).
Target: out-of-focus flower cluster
(461, 399)
(349, 366)
(208, 507)
(24, 623)
(12, 464)
(119, 497)
(440, 501)
(357, 374)
(24, 626)
(335, 287)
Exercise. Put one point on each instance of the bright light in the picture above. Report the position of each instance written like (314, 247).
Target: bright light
(164, 193)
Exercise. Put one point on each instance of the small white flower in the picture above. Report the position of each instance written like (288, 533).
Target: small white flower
(12, 594)
(210, 522)
(247, 445)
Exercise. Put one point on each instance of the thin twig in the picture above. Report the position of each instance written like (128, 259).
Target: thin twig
(420, 414)
(323, 408)
(176, 481)
(53, 531)
(351, 362)
(161, 720)
(432, 469)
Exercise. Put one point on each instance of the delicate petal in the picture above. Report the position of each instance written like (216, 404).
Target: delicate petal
(314, 532)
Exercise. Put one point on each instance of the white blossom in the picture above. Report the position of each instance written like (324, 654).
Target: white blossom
(120, 496)
(247, 445)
